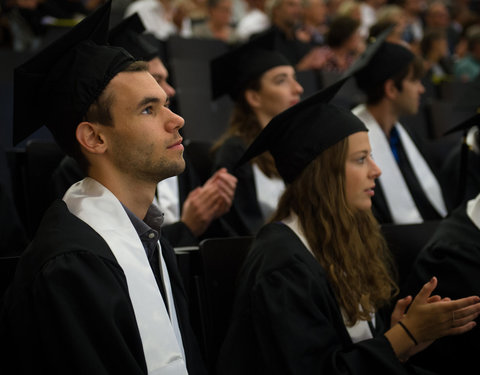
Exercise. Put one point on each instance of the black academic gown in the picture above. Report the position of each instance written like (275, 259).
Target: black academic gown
(245, 216)
(451, 177)
(69, 311)
(286, 319)
(453, 256)
(178, 234)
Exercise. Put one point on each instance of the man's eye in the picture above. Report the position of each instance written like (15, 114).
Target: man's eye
(148, 110)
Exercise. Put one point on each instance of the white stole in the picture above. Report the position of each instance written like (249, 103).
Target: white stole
(473, 210)
(360, 330)
(161, 339)
(399, 200)
(167, 198)
(269, 190)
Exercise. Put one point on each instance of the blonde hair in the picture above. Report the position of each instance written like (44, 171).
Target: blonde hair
(347, 243)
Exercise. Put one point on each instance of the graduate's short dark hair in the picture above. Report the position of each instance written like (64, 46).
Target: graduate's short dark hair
(100, 113)
(376, 93)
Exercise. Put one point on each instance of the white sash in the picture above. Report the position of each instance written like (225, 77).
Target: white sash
(269, 190)
(167, 198)
(473, 210)
(98, 207)
(399, 200)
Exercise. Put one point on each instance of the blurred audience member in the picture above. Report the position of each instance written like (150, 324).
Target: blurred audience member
(162, 18)
(369, 14)
(314, 26)
(254, 21)
(218, 22)
(344, 44)
(437, 16)
(434, 50)
(468, 67)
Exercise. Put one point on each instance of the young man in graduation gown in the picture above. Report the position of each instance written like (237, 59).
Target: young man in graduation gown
(190, 204)
(97, 291)
(408, 190)
(453, 255)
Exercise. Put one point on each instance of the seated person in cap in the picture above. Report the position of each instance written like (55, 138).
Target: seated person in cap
(408, 190)
(461, 178)
(262, 84)
(453, 255)
(98, 290)
(315, 276)
(189, 208)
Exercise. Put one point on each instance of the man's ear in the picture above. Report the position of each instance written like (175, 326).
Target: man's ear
(252, 98)
(91, 138)
(390, 89)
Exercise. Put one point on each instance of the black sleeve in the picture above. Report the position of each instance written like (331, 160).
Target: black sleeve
(245, 217)
(297, 336)
(75, 318)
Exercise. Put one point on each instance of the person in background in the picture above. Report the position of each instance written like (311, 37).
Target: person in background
(317, 273)
(189, 207)
(408, 190)
(314, 24)
(98, 289)
(437, 60)
(453, 255)
(261, 83)
(343, 44)
(162, 18)
(467, 68)
(218, 23)
(254, 21)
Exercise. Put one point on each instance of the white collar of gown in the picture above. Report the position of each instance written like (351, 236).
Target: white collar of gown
(399, 200)
(162, 344)
(360, 330)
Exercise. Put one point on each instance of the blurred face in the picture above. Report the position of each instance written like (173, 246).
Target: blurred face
(160, 73)
(316, 11)
(221, 14)
(278, 91)
(407, 100)
(438, 16)
(360, 172)
(289, 13)
(144, 142)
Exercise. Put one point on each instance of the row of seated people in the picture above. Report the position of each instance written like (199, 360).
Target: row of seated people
(316, 148)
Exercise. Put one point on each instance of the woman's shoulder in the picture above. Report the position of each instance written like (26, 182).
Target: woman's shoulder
(277, 246)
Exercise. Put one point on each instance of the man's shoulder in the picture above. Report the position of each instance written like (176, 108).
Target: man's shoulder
(61, 233)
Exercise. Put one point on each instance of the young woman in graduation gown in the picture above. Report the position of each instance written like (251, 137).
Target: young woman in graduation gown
(262, 84)
(317, 274)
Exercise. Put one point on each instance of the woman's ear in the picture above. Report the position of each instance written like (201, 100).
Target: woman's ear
(91, 138)
(252, 98)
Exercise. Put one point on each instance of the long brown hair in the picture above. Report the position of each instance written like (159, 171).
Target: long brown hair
(347, 243)
(244, 124)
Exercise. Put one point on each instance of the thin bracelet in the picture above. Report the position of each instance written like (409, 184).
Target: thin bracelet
(408, 332)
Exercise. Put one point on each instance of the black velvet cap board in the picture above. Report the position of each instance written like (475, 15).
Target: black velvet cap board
(232, 71)
(383, 63)
(56, 87)
(299, 134)
(128, 34)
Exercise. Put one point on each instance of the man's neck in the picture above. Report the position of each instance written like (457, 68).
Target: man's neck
(136, 195)
(384, 115)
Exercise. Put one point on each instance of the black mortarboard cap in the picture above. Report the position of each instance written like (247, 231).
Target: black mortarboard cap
(299, 134)
(57, 86)
(383, 63)
(128, 34)
(232, 71)
(296, 136)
